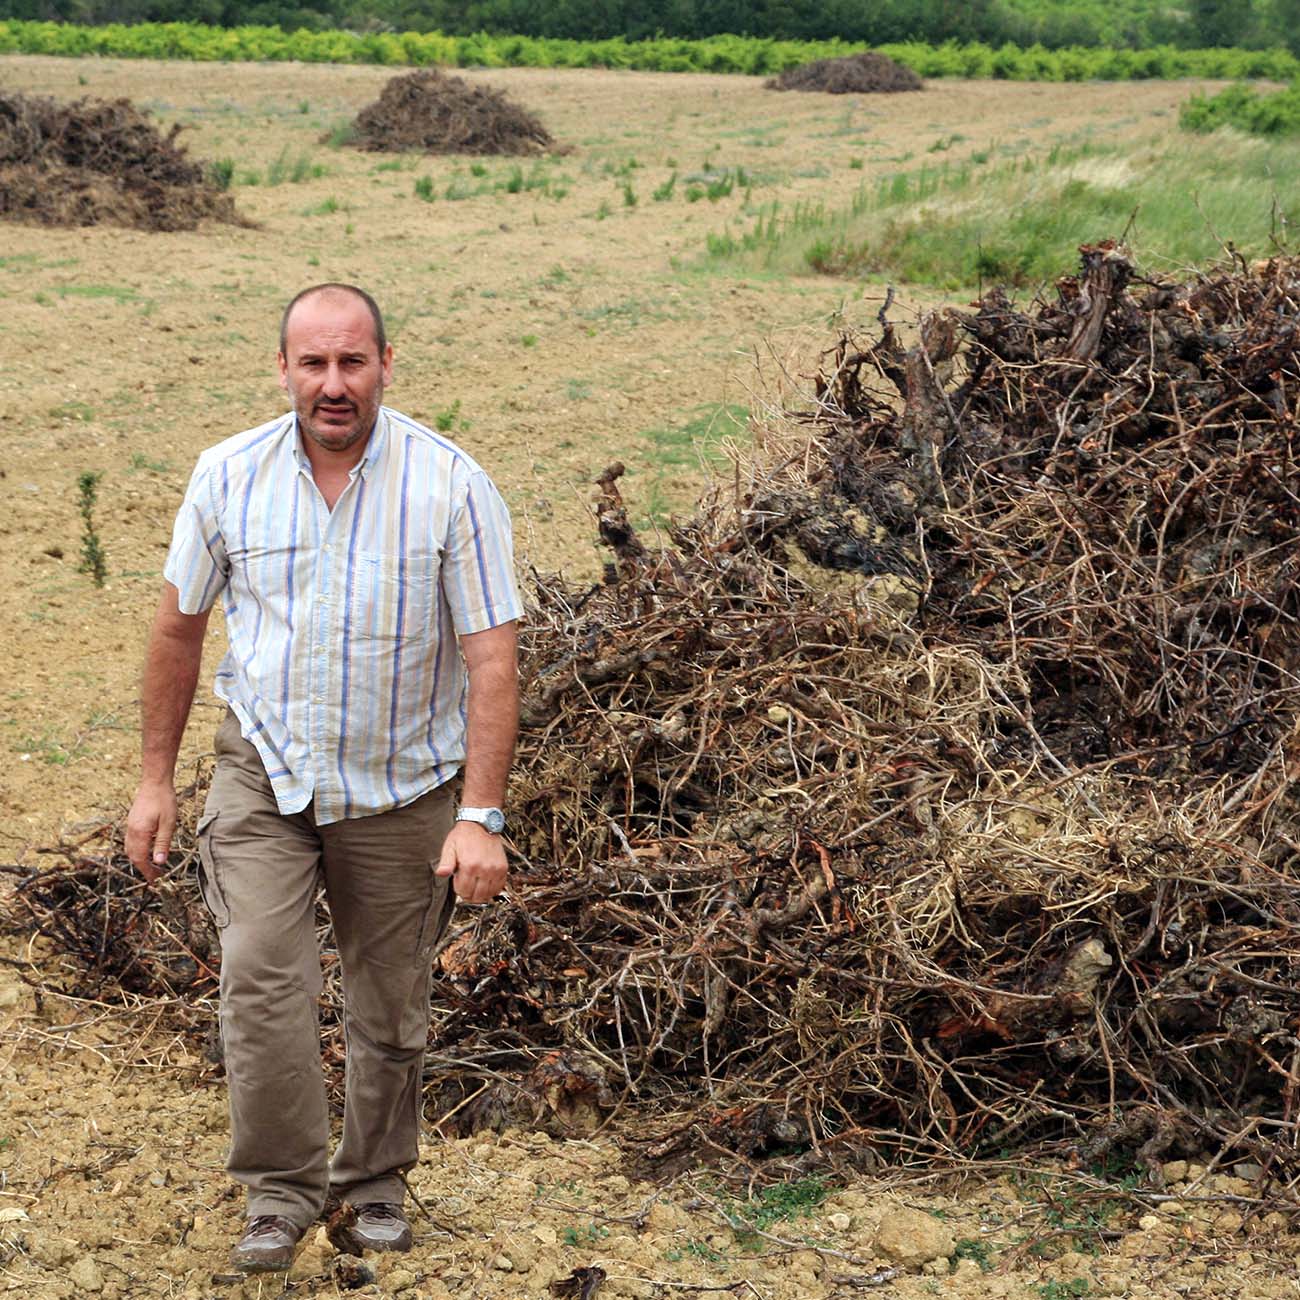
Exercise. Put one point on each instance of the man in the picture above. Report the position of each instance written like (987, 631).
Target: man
(355, 551)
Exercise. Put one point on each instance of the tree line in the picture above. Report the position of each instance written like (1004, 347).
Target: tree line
(1136, 24)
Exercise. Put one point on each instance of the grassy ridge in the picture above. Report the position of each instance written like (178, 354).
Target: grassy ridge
(732, 54)
(1019, 220)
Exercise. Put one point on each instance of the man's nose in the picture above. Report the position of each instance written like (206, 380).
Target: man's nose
(333, 380)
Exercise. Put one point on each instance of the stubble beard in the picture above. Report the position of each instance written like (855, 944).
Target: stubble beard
(330, 440)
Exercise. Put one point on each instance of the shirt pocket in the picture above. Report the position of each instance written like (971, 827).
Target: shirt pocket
(392, 598)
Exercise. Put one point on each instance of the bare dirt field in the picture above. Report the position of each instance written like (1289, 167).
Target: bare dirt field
(552, 325)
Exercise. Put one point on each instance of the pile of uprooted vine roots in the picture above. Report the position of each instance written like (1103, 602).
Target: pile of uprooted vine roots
(100, 162)
(933, 790)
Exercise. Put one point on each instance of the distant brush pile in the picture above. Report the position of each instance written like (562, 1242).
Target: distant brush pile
(431, 112)
(858, 74)
(99, 162)
(933, 791)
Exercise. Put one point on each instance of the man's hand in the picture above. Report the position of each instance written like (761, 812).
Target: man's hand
(149, 827)
(171, 670)
(476, 862)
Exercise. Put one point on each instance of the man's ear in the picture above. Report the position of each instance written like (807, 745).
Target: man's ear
(387, 362)
(283, 366)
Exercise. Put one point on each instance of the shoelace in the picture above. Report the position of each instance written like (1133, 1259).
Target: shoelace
(263, 1225)
(380, 1210)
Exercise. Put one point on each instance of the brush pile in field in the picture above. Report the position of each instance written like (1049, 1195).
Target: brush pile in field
(858, 74)
(933, 792)
(431, 112)
(99, 162)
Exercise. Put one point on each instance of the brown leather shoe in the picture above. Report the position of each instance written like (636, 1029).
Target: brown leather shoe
(375, 1225)
(267, 1245)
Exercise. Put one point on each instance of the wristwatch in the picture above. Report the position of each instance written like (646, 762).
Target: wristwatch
(493, 820)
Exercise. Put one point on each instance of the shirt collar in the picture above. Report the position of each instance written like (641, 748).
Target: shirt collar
(375, 445)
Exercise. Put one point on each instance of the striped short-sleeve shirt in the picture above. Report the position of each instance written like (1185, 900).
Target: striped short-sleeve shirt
(343, 666)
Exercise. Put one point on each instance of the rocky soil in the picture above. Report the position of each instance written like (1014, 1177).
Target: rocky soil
(112, 1185)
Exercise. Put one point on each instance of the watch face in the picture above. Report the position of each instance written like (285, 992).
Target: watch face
(494, 820)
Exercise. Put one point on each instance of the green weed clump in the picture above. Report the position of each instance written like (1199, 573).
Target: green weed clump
(93, 559)
(221, 172)
(449, 418)
(1239, 106)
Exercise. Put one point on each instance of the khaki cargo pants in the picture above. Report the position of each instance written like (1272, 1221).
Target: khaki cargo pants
(260, 872)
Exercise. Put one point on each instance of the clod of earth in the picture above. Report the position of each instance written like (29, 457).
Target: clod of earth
(857, 74)
(432, 112)
(803, 867)
(99, 162)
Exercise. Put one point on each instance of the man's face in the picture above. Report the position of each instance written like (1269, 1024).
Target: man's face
(332, 370)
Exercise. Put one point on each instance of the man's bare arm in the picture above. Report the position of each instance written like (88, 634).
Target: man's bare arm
(474, 858)
(171, 673)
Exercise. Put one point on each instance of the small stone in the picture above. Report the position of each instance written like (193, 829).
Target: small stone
(1248, 1170)
(175, 1261)
(664, 1216)
(913, 1237)
(504, 1263)
(85, 1275)
(400, 1279)
(1229, 1221)
(967, 1268)
(546, 1234)
(521, 1250)
(54, 1251)
(808, 1262)
(1175, 1171)
(1151, 1223)
(312, 1261)
(839, 1221)
(10, 996)
(935, 1267)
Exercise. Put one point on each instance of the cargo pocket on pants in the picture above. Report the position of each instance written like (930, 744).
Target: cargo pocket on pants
(209, 880)
(441, 902)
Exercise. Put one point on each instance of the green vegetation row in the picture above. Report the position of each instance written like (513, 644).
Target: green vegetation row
(997, 218)
(1270, 114)
(736, 54)
(1057, 24)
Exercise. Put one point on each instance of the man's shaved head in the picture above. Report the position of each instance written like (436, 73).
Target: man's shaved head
(341, 290)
